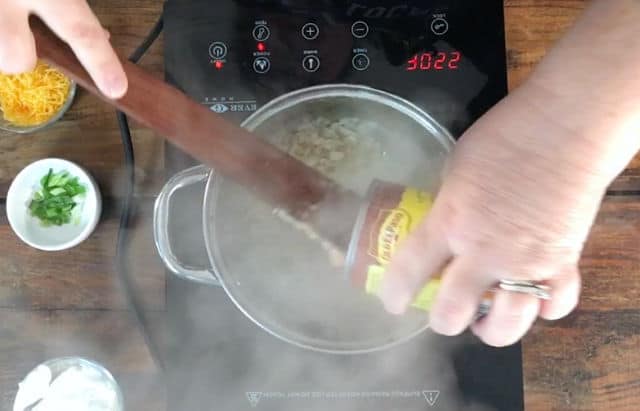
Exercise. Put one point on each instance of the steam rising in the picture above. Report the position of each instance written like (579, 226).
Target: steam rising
(283, 278)
(222, 360)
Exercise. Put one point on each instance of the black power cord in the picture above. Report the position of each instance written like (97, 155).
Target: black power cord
(127, 210)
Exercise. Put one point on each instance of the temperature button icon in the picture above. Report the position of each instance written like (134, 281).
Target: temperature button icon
(218, 50)
(261, 65)
(311, 63)
(261, 32)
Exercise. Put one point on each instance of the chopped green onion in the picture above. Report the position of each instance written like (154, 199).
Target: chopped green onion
(57, 191)
(54, 202)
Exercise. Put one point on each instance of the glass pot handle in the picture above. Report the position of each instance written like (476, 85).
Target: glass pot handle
(161, 212)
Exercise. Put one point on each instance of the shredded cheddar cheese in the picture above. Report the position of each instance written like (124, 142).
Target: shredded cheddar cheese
(32, 98)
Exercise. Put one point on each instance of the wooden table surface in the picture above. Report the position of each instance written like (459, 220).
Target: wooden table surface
(71, 303)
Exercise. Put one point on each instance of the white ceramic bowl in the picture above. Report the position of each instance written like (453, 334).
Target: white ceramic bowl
(86, 382)
(53, 238)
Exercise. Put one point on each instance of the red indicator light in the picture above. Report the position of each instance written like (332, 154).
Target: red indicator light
(261, 47)
(218, 64)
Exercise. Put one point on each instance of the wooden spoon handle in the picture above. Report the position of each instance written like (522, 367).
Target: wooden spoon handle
(231, 150)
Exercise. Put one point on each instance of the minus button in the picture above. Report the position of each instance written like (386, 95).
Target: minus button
(359, 29)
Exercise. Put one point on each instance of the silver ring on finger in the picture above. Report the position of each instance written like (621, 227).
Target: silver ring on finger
(526, 287)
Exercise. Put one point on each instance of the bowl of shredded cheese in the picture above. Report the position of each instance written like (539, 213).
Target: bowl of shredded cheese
(34, 100)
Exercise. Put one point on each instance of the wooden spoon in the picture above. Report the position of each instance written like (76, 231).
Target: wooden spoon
(232, 151)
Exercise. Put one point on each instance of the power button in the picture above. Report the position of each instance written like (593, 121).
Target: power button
(218, 50)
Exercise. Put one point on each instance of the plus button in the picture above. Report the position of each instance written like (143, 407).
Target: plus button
(310, 31)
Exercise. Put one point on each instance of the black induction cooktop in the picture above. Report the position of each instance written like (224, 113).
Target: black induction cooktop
(447, 57)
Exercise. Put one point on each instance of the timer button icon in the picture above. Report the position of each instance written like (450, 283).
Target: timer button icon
(311, 63)
(439, 26)
(310, 31)
(218, 50)
(360, 62)
(261, 32)
(261, 65)
(359, 29)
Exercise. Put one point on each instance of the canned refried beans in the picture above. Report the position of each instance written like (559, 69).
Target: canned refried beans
(391, 212)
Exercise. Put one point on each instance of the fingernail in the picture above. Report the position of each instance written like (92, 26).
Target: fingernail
(395, 296)
(116, 86)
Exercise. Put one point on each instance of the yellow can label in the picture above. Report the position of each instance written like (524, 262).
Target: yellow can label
(423, 300)
(390, 227)
(397, 223)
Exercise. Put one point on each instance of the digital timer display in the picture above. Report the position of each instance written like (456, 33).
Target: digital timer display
(431, 61)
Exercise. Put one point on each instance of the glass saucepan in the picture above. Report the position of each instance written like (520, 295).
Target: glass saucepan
(276, 274)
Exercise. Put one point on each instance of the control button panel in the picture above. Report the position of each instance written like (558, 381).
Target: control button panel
(267, 46)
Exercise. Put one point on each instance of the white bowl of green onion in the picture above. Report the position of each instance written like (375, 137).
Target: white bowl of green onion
(53, 204)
